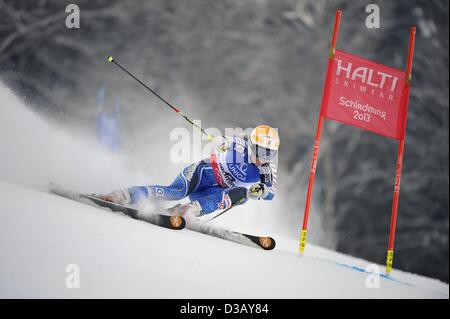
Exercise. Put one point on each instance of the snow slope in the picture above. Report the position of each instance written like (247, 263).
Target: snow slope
(118, 257)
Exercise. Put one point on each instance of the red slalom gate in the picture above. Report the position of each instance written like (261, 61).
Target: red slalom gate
(370, 96)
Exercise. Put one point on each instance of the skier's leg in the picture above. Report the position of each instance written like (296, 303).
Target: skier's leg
(193, 178)
(214, 198)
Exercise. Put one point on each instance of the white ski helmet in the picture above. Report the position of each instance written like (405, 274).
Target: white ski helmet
(264, 142)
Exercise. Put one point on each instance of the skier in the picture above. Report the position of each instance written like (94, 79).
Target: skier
(238, 169)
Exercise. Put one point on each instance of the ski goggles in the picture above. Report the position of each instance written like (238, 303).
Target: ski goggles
(263, 153)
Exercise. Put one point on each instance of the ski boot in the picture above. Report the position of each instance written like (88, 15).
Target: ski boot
(186, 210)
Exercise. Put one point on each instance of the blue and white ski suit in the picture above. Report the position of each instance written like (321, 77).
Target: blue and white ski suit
(217, 182)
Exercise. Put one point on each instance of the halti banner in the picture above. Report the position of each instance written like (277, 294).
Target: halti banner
(367, 95)
(370, 96)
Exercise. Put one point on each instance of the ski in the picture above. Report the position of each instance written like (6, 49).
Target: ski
(264, 242)
(171, 222)
(168, 221)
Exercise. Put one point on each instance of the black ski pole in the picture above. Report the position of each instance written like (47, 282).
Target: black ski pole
(176, 110)
(223, 212)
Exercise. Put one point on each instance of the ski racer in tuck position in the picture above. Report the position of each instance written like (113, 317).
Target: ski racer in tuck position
(240, 168)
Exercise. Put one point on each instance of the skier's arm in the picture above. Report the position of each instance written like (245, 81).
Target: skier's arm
(266, 189)
(268, 175)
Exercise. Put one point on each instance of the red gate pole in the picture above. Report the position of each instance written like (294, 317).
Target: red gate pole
(401, 146)
(315, 155)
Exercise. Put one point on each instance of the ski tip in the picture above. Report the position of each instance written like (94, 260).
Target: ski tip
(110, 58)
(267, 243)
(177, 222)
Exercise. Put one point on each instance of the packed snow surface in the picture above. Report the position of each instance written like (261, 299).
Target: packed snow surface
(118, 257)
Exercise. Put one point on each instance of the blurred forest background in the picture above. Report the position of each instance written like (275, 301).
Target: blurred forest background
(241, 63)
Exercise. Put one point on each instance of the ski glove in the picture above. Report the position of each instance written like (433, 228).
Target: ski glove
(222, 144)
(257, 191)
